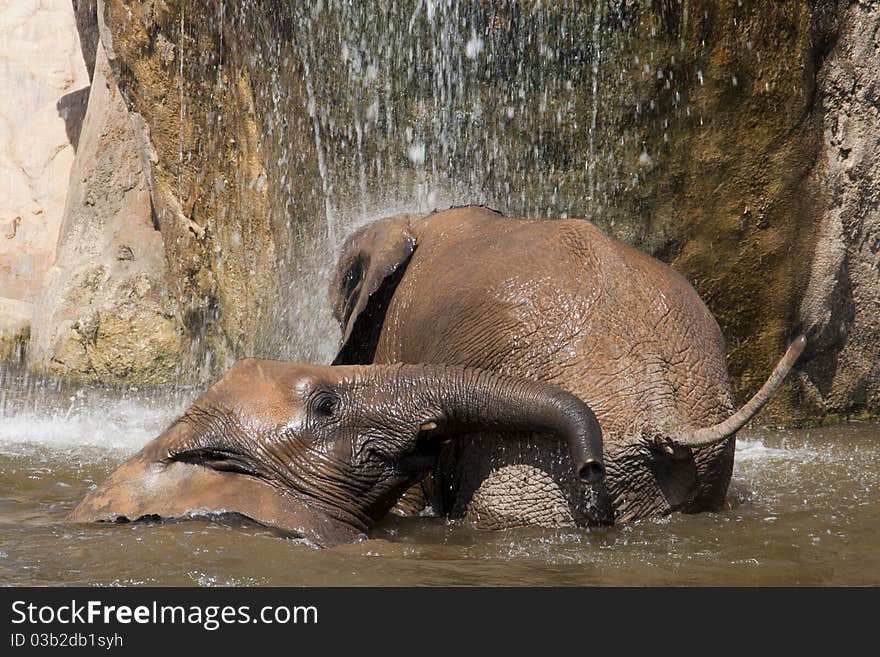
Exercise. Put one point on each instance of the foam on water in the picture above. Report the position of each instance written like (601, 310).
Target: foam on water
(119, 428)
(750, 450)
(44, 416)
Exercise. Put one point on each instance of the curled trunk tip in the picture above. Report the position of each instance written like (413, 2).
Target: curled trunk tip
(592, 472)
(494, 400)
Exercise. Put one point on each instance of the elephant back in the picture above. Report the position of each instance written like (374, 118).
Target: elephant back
(560, 301)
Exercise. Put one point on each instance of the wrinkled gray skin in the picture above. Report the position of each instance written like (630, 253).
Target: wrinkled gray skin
(322, 452)
(554, 301)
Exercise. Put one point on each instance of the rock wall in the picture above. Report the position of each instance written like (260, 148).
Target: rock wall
(105, 312)
(841, 305)
(45, 85)
(15, 323)
(711, 141)
(748, 158)
(734, 140)
(227, 207)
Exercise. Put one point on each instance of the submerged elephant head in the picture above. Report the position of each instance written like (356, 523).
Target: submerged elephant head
(324, 452)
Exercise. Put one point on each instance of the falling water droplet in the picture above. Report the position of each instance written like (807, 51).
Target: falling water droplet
(473, 47)
(416, 153)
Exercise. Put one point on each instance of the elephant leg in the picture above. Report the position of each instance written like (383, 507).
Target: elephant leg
(714, 467)
(518, 496)
(412, 502)
(514, 479)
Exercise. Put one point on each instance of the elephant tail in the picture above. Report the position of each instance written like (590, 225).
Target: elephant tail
(735, 422)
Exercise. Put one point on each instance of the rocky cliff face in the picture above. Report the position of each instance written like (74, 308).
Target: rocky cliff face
(719, 136)
(45, 85)
(105, 312)
(733, 140)
(747, 162)
(841, 303)
(228, 209)
(762, 184)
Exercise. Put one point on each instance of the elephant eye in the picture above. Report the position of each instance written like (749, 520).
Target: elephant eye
(222, 460)
(325, 403)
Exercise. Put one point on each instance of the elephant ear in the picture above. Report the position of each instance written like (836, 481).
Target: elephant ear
(371, 264)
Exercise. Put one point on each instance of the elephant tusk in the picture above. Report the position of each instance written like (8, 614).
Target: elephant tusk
(428, 426)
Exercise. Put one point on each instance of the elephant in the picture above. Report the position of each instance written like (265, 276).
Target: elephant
(323, 452)
(536, 372)
(561, 302)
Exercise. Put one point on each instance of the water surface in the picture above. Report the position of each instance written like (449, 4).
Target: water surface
(804, 509)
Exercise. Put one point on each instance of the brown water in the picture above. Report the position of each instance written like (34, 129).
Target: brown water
(804, 510)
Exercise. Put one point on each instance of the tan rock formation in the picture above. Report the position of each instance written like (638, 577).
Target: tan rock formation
(760, 124)
(45, 85)
(104, 312)
(190, 85)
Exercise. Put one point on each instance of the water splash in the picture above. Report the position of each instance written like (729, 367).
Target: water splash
(38, 415)
(120, 428)
(417, 105)
(754, 450)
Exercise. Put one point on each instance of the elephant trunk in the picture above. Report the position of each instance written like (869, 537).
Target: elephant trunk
(477, 399)
(725, 429)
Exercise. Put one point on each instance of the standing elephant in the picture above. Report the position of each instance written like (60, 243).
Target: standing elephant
(558, 302)
(324, 452)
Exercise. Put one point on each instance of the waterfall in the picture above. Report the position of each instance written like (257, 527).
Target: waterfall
(415, 105)
(437, 102)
